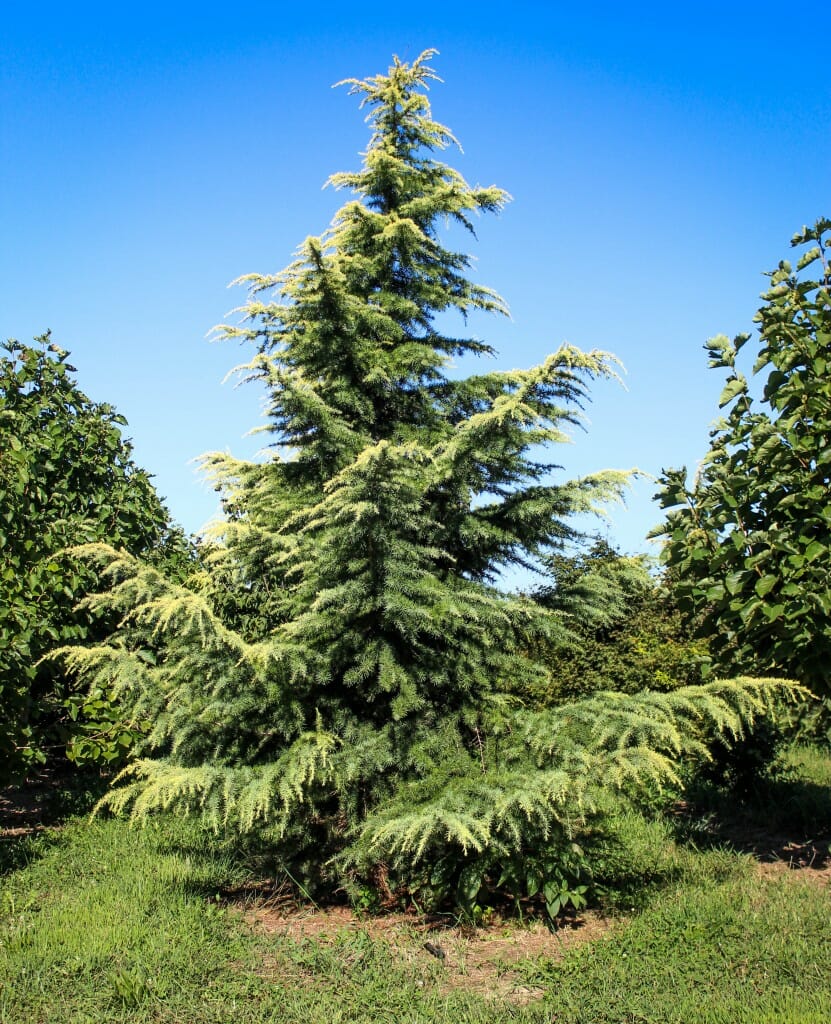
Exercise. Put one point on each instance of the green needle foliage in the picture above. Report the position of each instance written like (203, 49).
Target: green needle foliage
(348, 676)
(749, 541)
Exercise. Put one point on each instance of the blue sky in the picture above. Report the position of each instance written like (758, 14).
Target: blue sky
(660, 159)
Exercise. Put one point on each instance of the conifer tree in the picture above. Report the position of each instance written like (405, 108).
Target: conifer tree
(349, 676)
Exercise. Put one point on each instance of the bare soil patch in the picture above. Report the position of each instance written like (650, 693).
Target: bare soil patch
(809, 859)
(485, 959)
(778, 850)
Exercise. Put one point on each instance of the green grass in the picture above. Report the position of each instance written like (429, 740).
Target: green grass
(101, 922)
(110, 923)
(738, 951)
(810, 763)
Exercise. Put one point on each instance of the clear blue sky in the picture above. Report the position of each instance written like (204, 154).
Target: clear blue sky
(660, 158)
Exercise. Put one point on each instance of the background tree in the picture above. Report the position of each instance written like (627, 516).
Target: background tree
(66, 477)
(625, 630)
(749, 542)
(368, 706)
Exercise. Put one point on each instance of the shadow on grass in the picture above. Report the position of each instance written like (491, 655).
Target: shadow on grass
(30, 812)
(781, 820)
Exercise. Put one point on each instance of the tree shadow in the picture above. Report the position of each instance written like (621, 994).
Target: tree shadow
(32, 811)
(781, 821)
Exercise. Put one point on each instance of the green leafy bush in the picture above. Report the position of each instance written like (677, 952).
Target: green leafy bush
(749, 541)
(66, 477)
(625, 630)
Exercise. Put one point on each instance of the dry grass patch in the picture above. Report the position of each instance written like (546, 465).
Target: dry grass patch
(484, 960)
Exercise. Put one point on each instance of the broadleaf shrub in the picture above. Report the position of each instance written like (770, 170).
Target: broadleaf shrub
(748, 542)
(66, 476)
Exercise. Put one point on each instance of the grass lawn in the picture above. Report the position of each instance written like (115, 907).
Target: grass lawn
(103, 922)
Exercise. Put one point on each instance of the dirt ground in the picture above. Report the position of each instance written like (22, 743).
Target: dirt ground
(485, 959)
(778, 854)
(482, 959)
